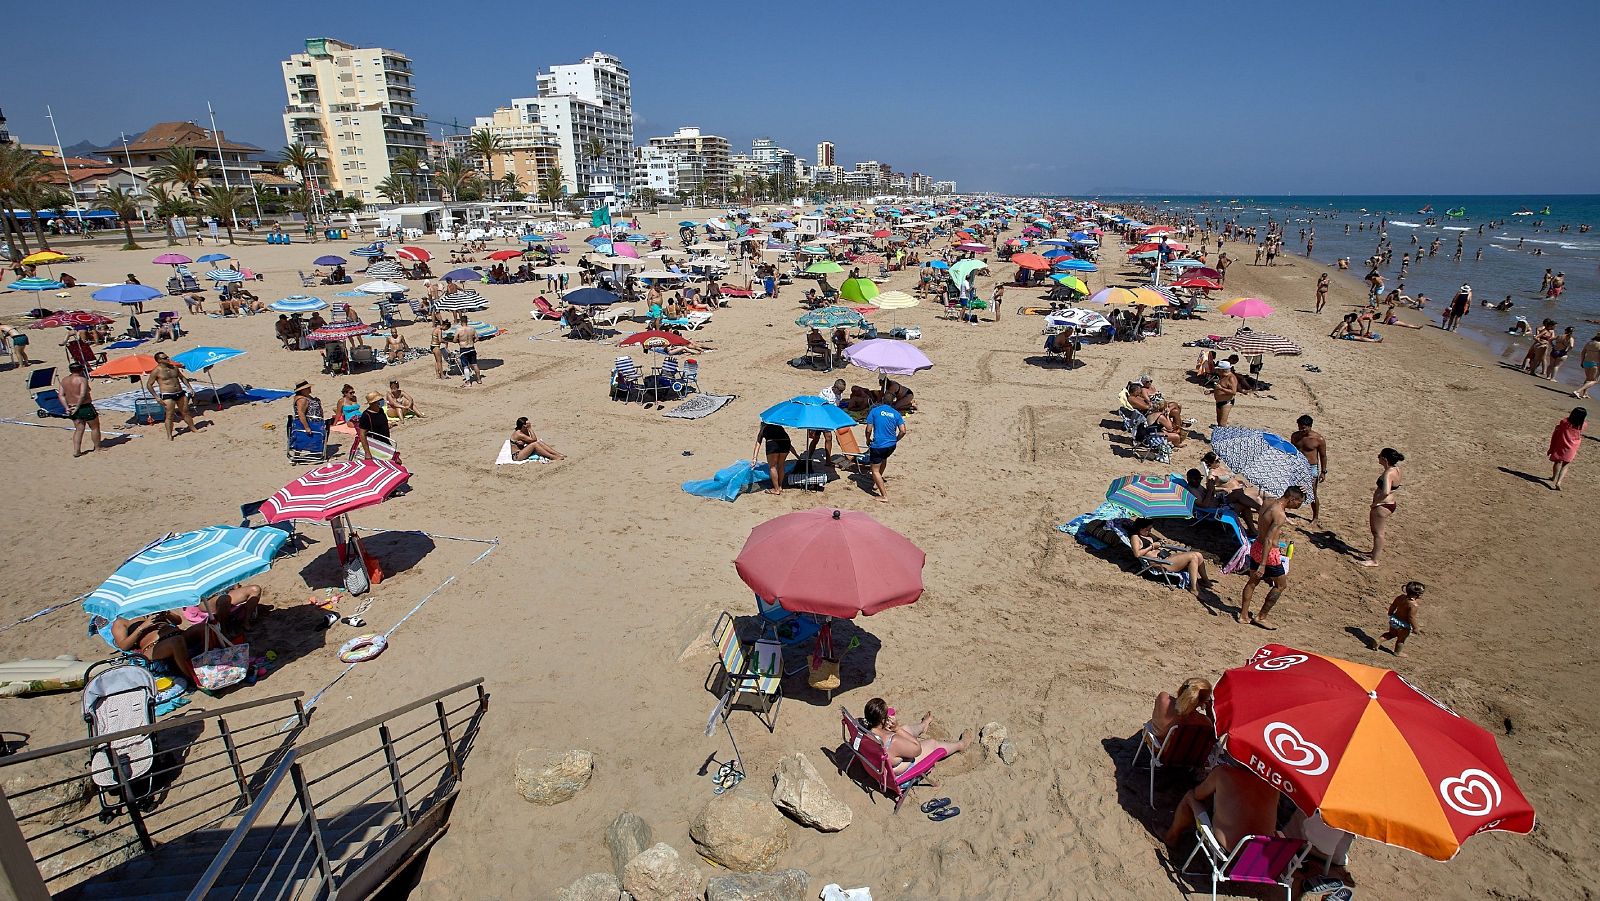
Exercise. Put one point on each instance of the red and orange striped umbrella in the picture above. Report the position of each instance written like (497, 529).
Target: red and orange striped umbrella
(1373, 753)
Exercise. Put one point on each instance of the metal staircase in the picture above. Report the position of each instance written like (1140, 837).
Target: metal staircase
(243, 810)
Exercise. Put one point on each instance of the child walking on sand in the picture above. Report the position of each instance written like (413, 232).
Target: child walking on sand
(1403, 617)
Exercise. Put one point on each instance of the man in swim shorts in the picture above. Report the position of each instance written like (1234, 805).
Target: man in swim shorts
(168, 382)
(1311, 443)
(1267, 558)
(80, 406)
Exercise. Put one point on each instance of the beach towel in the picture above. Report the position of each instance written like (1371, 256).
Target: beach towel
(505, 459)
(734, 480)
(126, 343)
(699, 406)
(122, 403)
(265, 395)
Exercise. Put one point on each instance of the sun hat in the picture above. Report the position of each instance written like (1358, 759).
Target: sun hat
(302, 385)
(1224, 364)
(373, 397)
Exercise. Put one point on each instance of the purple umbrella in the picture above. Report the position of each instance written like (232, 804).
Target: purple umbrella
(463, 275)
(887, 357)
(328, 260)
(172, 259)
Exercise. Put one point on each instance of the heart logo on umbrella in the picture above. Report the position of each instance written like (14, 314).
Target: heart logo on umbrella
(1474, 793)
(1273, 664)
(1286, 744)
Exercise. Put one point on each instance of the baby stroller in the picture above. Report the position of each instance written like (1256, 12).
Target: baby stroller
(119, 698)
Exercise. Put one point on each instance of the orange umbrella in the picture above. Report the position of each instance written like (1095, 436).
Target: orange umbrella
(1373, 754)
(1030, 261)
(136, 364)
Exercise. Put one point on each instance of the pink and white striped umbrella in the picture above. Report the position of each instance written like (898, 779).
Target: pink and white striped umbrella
(333, 489)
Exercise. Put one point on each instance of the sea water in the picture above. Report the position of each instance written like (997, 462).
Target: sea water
(1509, 266)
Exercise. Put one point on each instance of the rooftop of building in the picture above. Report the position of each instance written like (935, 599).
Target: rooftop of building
(167, 135)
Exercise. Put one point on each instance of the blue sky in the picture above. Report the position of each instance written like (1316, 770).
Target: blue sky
(1355, 97)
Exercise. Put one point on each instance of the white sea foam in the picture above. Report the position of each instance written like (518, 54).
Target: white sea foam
(1405, 224)
(1455, 228)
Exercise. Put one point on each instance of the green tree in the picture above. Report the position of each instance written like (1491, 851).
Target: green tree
(223, 204)
(648, 197)
(737, 185)
(303, 160)
(33, 195)
(126, 206)
(409, 164)
(179, 166)
(395, 189)
(454, 177)
(19, 169)
(169, 205)
(510, 182)
(352, 204)
(594, 150)
(485, 145)
(302, 202)
(551, 187)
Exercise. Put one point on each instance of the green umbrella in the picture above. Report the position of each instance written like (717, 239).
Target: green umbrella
(830, 317)
(858, 290)
(960, 271)
(1071, 282)
(823, 267)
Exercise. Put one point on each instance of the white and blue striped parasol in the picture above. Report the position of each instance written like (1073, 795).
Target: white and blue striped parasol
(298, 303)
(367, 252)
(225, 275)
(183, 570)
(385, 269)
(1268, 461)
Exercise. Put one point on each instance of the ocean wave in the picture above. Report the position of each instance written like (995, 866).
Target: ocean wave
(1455, 228)
(1405, 224)
(1568, 244)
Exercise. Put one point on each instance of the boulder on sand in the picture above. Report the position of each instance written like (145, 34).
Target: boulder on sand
(547, 777)
(798, 790)
(741, 831)
(660, 874)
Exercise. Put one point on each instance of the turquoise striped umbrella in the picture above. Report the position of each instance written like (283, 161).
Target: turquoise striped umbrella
(182, 570)
(36, 283)
(1152, 497)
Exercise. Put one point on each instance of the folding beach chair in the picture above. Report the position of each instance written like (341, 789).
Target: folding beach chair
(303, 448)
(845, 440)
(307, 281)
(690, 376)
(1256, 859)
(249, 511)
(867, 750)
(790, 629)
(752, 672)
(625, 380)
(1185, 746)
(1147, 567)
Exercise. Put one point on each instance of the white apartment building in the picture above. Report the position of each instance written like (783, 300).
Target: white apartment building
(706, 154)
(944, 187)
(356, 107)
(580, 103)
(825, 154)
(827, 175)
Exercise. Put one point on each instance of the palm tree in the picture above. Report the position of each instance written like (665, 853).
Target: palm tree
(352, 205)
(303, 159)
(179, 166)
(18, 169)
(408, 163)
(485, 145)
(736, 185)
(33, 195)
(551, 186)
(168, 205)
(395, 189)
(305, 203)
(594, 150)
(126, 206)
(648, 197)
(511, 182)
(454, 177)
(223, 204)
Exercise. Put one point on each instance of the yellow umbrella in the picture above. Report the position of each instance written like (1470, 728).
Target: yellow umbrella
(894, 300)
(1146, 297)
(43, 256)
(1074, 283)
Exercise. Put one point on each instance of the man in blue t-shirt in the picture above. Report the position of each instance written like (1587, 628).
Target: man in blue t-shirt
(885, 428)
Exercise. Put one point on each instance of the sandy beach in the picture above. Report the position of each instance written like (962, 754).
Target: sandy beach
(589, 620)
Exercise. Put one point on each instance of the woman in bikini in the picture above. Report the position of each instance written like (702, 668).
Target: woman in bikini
(1543, 338)
(1190, 706)
(1145, 547)
(1229, 489)
(1383, 500)
(436, 346)
(158, 636)
(524, 443)
(905, 745)
(774, 441)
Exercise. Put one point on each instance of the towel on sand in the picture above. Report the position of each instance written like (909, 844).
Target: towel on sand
(505, 458)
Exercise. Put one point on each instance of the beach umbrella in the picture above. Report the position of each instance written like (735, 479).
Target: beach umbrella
(658, 274)
(1185, 263)
(201, 359)
(1148, 297)
(882, 233)
(829, 562)
(589, 297)
(36, 283)
(1197, 282)
(339, 331)
(43, 258)
(414, 254)
(1268, 461)
(1079, 318)
(626, 251)
(656, 337)
(1054, 255)
(503, 255)
(328, 259)
(460, 301)
(1251, 342)
(858, 290)
(1202, 272)
(824, 267)
(225, 275)
(129, 294)
(72, 319)
(212, 258)
(887, 357)
(808, 411)
(596, 240)
(182, 570)
(895, 300)
(381, 287)
(1112, 296)
(334, 489)
(1152, 497)
(1070, 282)
(368, 251)
(871, 259)
(298, 303)
(701, 246)
(558, 269)
(1247, 308)
(1370, 752)
(385, 269)
(830, 317)
(962, 269)
(133, 364)
(532, 239)
(688, 223)
(937, 264)
(463, 274)
(973, 247)
(1030, 261)
(171, 259)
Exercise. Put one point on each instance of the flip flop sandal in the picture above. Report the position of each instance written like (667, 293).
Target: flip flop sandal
(944, 813)
(935, 804)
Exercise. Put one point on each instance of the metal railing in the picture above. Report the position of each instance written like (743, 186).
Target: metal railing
(206, 766)
(341, 815)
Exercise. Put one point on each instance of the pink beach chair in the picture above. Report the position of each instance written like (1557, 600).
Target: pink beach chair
(866, 749)
(1256, 859)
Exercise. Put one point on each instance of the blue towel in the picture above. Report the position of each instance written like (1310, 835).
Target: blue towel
(126, 343)
(266, 395)
(732, 481)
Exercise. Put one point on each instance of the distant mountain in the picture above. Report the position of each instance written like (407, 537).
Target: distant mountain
(83, 148)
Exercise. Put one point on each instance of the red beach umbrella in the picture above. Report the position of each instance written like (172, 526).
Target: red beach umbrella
(71, 320)
(1204, 284)
(882, 233)
(832, 563)
(414, 254)
(1375, 755)
(1031, 261)
(334, 489)
(503, 255)
(339, 331)
(671, 338)
(1146, 247)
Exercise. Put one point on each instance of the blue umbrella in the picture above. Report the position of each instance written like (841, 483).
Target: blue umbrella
(638, 239)
(688, 223)
(1059, 242)
(183, 570)
(367, 252)
(1075, 266)
(463, 274)
(807, 412)
(298, 303)
(225, 275)
(213, 258)
(200, 358)
(1078, 236)
(126, 294)
(328, 259)
(602, 247)
(589, 297)
(596, 240)
(1265, 459)
(1055, 254)
(352, 294)
(830, 317)
(1151, 497)
(781, 226)
(938, 264)
(531, 239)
(36, 283)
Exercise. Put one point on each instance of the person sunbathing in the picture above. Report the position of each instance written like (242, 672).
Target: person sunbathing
(1242, 804)
(578, 325)
(234, 609)
(906, 746)
(395, 348)
(1190, 706)
(1162, 418)
(524, 443)
(1141, 535)
(1226, 488)
(157, 636)
(400, 402)
(817, 346)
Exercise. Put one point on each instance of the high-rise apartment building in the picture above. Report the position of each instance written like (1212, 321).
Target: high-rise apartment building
(704, 156)
(356, 107)
(527, 149)
(588, 106)
(825, 154)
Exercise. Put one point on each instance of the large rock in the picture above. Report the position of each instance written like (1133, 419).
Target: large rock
(593, 887)
(799, 791)
(627, 837)
(784, 885)
(659, 874)
(741, 831)
(991, 735)
(548, 777)
(1008, 752)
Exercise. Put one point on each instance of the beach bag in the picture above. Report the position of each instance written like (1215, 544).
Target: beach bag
(220, 668)
(356, 580)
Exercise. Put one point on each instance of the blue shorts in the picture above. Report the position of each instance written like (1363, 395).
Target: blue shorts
(879, 454)
(1274, 571)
